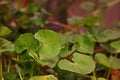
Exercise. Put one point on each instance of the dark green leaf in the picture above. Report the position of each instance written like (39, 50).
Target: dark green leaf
(9, 76)
(32, 8)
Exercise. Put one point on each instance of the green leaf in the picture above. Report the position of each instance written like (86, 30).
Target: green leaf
(82, 64)
(87, 5)
(91, 21)
(93, 78)
(37, 21)
(99, 36)
(26, 42)
(101, 79)
(116, 45)
(51, 62)
(75, 21)
(4, 31)
(115, 63)
(102, 59)
(106, 35)
(9, 76)
(46, 77)
(6, 46)
(50, 43)
(34, 55)
(64, 46)
(23, 19)
(86, 45)
(32, 8)
(107, 47)
(112, 34)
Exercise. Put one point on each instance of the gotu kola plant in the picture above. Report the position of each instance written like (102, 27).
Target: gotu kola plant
(49, 55)
(43, 49)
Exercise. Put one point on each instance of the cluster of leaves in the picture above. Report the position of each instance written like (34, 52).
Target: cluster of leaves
(47, 54)
(23, 15)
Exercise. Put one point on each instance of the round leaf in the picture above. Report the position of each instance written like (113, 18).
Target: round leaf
(50, 43)
(102, 59)
(26, 42)
(116, 45)
(115, 63)
(82, 64)
(106, 35)
(86, 45)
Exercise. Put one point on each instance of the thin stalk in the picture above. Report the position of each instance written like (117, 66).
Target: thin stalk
(108, 74)
(9, 65)
(1, 76)
(94, 73)
(31, 74)
(105, 73)
(18, 70)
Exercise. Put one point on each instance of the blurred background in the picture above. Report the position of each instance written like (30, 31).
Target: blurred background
(30, 15)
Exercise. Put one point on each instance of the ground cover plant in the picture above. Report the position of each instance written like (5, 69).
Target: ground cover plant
(48, 55)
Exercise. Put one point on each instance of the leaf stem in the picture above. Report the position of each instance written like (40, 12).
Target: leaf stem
(94, 73)
(1, 76)
(18, 70)
(9, 65)
(108, 74)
